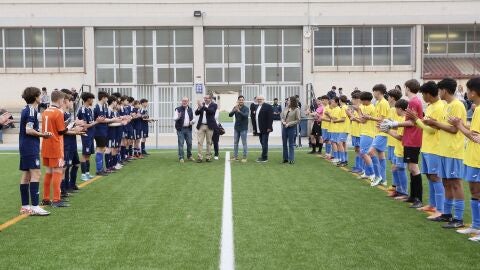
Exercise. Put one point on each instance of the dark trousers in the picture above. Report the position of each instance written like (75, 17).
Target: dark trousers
(264, 142)
(215, 140)
(288, 141)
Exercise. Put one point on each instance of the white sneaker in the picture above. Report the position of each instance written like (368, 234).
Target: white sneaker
(90, 176)
(376, 181)
(215, 157)
(372, 178)
(363, 176)
(335, 160)
(38, 211)
(469, 230)
(84, 177)
(475, 238)
(26, 210)
(118, 167)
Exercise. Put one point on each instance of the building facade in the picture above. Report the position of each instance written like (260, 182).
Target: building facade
(163, 50)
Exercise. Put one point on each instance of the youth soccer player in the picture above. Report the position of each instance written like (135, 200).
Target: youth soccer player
(472, 157)
(451, 154)
(145, 121)
(430, 148)
(412, 141)
(368, 129)
(100, 112)
(344, 131)
(376, 154)
(85, 113)
(355, 131)
(114, 122)
(29, 148)
(137, 128)
(336, 119)
(392, 96)
(326, 127)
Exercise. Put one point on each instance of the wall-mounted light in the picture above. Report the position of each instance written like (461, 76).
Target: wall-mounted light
(197, 14)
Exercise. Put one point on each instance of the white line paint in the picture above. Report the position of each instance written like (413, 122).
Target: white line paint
(227, 258)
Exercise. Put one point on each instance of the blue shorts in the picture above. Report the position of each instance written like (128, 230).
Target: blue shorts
(399, 162)
(390, 153)
(380, 143)
(137, 134)
(325, 135)
(29, 163)
(430, 163)
(71, 158)
(471, 174)
(355, 141)
(118, 135)
(88, 147)
(145, 132)
(342, 137)
(334, 136)
(450, 168)
(365, 144)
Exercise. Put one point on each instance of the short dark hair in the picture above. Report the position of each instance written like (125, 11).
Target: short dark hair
(136, 102)
(334, 87)
(356, 95)
(123, 98)
(111, 99)
(116, 94)
(336, 100)
(413, 85)
(86, 96)
(366, 96)
(324, 97)
(448, 84)
(143, 100)
(57, 95)
(395, 94)
(102, 95)
(68, 94)
(130, 99)
(429, 87)
(44, 88)
(401, 104)
(239, 97)
(275, 99)
(380, 88)
(30, 94)
(343, 99)
(474, 85)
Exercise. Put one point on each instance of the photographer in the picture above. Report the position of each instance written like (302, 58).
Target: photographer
(6, 121)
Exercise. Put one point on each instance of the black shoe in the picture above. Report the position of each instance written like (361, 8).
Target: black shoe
(442, 218)
(262, 160)
(410, 200)
(416, 204)
(60, 204)
(46, 202)
(285, 161)
(71, 190)
(454, 224)
(292, 162)
(76, 188)
(64, 200)
(342, 164)
(102, 173)
(312, 152)
(65, 194)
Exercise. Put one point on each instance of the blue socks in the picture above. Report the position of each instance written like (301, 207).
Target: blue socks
(402, 181)
(447, 206)
(376, 166)
(395, 181)
(439, 195)
(345, 156)
(431, 194)
(24, 194)
(328, 148)
(383, 169)
(459, 208)
(475, 205)
(34, 194)
(99, 161)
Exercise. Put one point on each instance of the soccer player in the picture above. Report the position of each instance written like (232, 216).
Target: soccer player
(430, 148)
(368, 129)
(29, 148)
(392, 96)
(336, 123)
(146, 119)
(85, 113)
(130, 130)
(100, 112)
(472, 157)
(326, 127)
(113, 123)
(412, 141)
(451, 154)
(398, 162)
(376, 154)
(344, 131)
(355, 131)
(52, 149)
(137, 128)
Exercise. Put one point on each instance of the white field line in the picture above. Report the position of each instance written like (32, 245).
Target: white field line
(227, 258)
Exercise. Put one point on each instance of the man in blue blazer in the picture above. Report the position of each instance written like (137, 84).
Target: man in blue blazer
(263, 121)
(205, 126)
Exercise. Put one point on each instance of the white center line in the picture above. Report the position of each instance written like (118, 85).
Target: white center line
(227, 258)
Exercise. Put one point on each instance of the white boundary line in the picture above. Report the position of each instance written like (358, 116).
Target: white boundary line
(227, 258)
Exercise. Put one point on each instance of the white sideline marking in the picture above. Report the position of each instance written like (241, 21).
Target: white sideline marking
(227, 259)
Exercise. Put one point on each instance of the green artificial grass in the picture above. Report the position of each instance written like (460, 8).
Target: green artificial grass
(159, 214)
(224, 118)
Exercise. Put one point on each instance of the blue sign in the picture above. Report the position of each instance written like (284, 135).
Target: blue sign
(199, 88)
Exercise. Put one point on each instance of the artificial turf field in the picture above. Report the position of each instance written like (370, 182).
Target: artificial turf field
(159, 214)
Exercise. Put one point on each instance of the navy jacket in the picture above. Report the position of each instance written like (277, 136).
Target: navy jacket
(210, 113)
(179, 121)
(265, 118)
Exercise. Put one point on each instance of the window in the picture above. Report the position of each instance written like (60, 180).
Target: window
(144, 56)
(456, 40)
(363, 46)
(252, 56)
(40, 48)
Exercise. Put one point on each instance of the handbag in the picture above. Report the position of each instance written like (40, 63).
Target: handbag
(220, 129)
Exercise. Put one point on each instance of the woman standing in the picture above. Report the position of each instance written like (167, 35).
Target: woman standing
(290, 119)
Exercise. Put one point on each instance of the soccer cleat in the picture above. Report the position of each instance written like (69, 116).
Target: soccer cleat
(335, 160)
(46, 202)
(453, 224)
(384, 183)
(215, 157)
(409, 200)
(442, 218)
(90, 176)
(376, 181)
(469, 230)
(363, 176)
(38, 211)
(84, 177)
(118, 167)
(261, 160)
(25, 210)
(60, 204)
(65, 194)
(291, 162)
(76, 187)
(400, 197)
(427, 208)
(371, 178)
(475, 238)
(416, 204)
(181, 160)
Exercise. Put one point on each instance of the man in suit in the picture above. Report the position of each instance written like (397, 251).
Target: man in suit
(205, 125)
(263, 121)
(253, 110)
(184, 120)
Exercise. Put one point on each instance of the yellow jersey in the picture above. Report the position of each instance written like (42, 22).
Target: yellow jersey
(326, 124)
(472, 156)
(382, 110)
(346, 124)
(392, 115)
(337, 114)
(368, 128)
(452, 145)
(398, 152)
(355, 126)
(429, 140)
